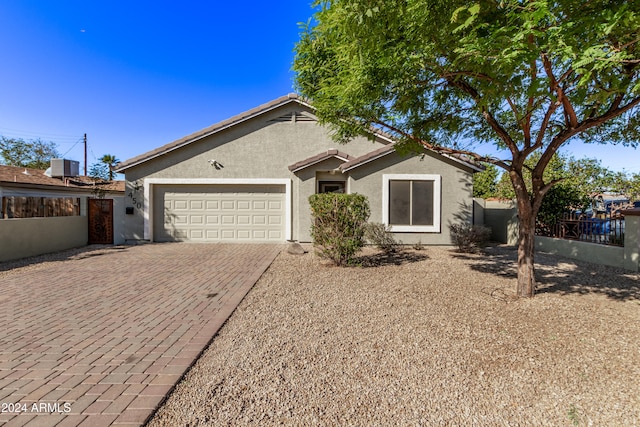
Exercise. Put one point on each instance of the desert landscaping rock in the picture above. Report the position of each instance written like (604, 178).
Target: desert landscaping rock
(296, 248)
(427, 337)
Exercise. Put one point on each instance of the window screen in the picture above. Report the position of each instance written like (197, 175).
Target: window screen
(411, 202)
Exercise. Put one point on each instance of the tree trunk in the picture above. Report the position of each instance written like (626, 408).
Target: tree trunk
(526, 247)
(528, 207)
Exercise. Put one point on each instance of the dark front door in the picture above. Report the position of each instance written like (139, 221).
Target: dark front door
(331, 186)
(100, 213)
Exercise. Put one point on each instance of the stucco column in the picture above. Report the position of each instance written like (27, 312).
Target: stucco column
(632, 239)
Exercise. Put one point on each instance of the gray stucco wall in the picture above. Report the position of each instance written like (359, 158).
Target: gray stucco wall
(260, 148)
(118, 219)
(584, 251)
(24, 237)
(264, 147)
(502, 218)
(456, 192)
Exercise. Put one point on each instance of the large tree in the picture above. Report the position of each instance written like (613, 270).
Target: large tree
(587, 176)
(453, 75)
(34, 153)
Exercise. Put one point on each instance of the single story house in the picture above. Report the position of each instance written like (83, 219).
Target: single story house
(248, 179)
(41, 212)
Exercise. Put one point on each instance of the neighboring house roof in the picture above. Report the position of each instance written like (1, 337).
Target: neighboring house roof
(35, 178)
(247, 115)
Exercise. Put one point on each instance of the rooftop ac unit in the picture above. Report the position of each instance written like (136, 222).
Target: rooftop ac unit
(61, 168)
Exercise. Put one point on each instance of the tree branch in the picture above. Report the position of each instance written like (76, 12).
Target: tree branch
(502, 133)
(545, 124)
(441, 149)
(614, 111)
(570, 114)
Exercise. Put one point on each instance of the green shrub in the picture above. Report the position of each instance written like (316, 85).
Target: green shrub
(338, 225)
(380, 235)
(469, 238)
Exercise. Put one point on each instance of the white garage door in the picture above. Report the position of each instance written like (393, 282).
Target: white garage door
(211, 213)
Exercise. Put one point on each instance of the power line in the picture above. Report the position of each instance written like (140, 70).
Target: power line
(76, 143)
(22, 134)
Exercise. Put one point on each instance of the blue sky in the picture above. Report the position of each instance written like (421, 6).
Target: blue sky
(135, 75)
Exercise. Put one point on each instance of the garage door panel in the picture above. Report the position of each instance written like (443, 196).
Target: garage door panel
(197, 234)
(181, 205)
(275, 235)
(275, 220)
(196, 204)
(219, 212)
(228, 234)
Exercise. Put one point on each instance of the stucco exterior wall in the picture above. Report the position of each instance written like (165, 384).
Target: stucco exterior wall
(632, 240)
(455, 198)
(584, 251)
(263, 148)
(118, 219)
(502, 218)
(24, 237)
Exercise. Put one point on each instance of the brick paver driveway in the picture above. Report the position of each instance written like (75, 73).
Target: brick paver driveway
(101, 337)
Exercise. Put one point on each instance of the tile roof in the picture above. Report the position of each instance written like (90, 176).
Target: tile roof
(292, 97)
(319, 158)
(283, 100)
(370, 156)
(15, 175)
(388, 149)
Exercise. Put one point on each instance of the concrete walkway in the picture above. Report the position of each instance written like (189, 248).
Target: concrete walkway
(102, 337)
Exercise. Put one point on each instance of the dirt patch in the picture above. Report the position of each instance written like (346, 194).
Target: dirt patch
(427, 337)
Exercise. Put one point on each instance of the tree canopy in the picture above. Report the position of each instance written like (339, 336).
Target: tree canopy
(104, 168)
(454, 75)
(34, 153)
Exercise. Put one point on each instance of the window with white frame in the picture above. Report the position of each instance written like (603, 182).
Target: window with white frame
(411, 202)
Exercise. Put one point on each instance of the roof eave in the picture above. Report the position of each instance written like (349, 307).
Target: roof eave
(216, 128)
(364, 162)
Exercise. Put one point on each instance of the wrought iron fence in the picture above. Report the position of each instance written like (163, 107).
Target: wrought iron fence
(604, 228)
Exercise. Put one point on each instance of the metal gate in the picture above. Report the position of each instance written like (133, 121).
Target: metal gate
(100, 213)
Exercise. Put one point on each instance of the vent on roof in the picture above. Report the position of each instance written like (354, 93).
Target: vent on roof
(61, 168)
(293, 117)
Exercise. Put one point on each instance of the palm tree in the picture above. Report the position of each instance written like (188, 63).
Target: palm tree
(110, 160)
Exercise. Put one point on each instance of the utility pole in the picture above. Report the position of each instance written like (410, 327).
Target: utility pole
(85, 154)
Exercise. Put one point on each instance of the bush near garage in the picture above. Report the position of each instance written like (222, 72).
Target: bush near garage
(338, 225)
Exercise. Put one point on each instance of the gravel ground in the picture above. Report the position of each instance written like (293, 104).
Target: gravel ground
(427, 337)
